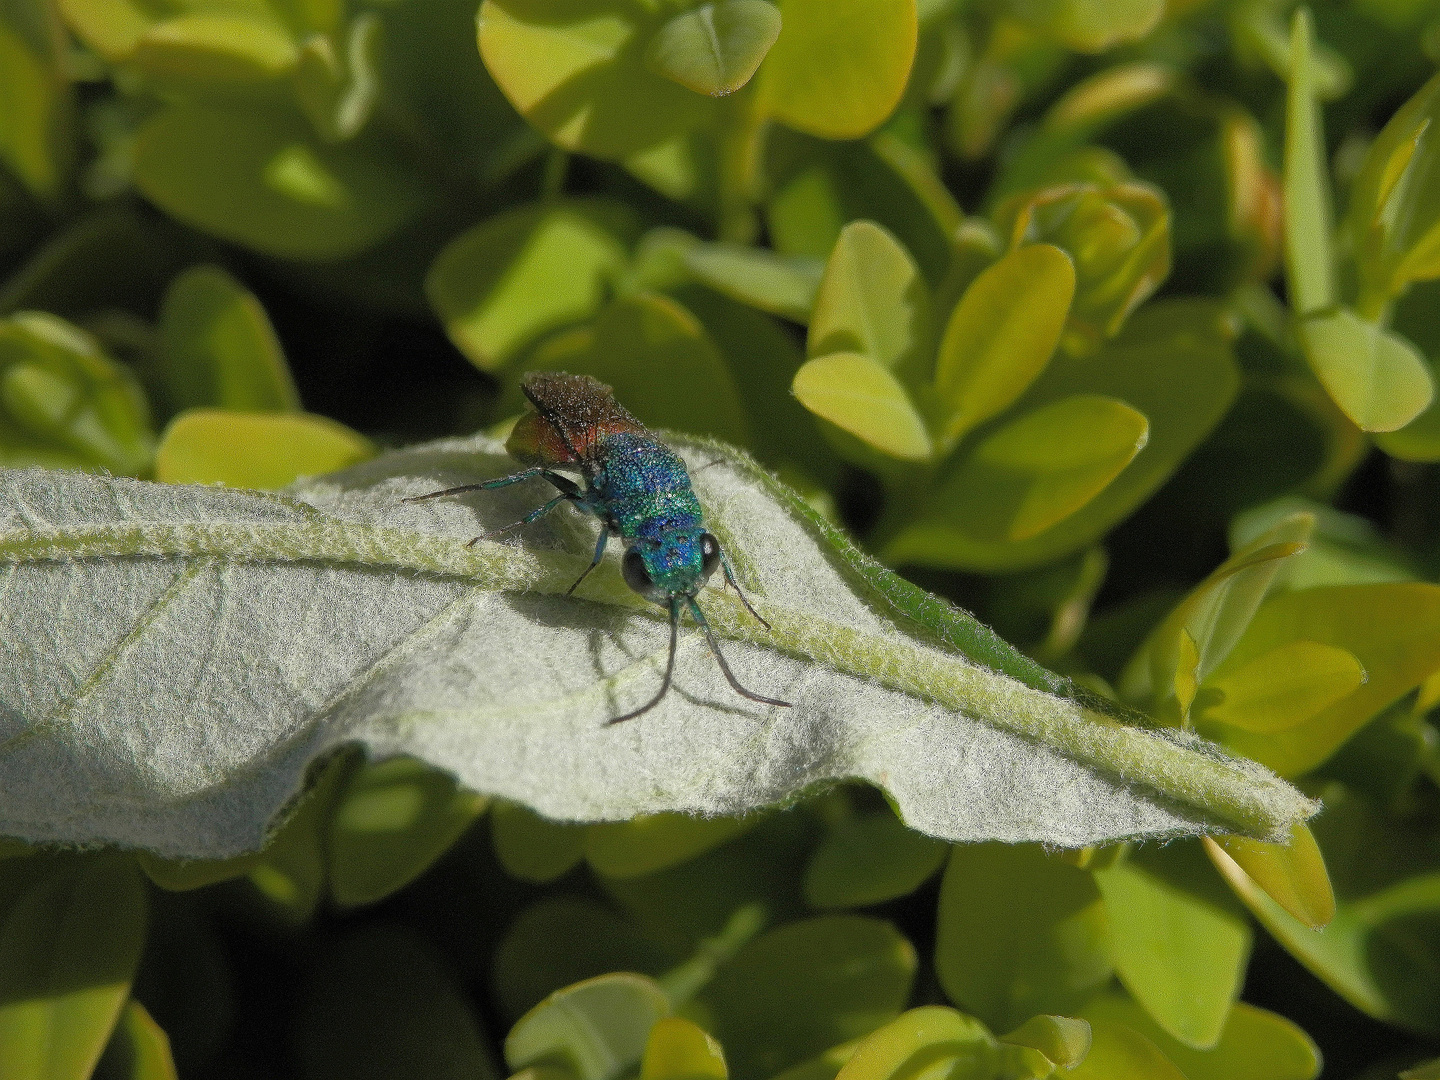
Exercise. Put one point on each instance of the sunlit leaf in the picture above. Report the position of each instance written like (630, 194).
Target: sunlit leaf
(869, 859)
(1180, 943)
(1309, 260)
(68, 949)
(598, 1028)
(1001, 334)
(1255, 1044)
(219, 349)
(680, 1050)
(872, 301)
(502, 284)
(1292, 874)
(265, 450)
(838, 67)
(138, 1049)
(858, 395)
(1119, 1052)
(1374, 375)
(1019, 932)
(1091, 26)
(948, 1042)
(205, 49)
(576, 70)
(715, 48)
(1282, 688)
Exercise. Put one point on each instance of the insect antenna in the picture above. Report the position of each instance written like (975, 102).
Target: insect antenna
(720, 658)
(669, 667)
(730, 580)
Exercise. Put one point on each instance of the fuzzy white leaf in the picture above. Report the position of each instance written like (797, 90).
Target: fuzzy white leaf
(172, 659)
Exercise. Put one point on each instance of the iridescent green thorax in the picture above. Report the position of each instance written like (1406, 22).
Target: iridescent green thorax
(642, 488)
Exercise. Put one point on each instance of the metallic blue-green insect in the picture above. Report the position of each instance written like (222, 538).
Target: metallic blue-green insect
(635, 485)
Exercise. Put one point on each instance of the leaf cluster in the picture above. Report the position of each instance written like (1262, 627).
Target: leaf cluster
(1113, 321)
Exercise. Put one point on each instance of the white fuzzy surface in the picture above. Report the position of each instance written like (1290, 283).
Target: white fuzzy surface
(166, 688)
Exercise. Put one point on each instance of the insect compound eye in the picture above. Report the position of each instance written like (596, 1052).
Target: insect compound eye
(710, 553)
(632, 568)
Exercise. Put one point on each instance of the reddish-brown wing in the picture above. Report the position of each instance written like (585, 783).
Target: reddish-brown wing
(573, 415)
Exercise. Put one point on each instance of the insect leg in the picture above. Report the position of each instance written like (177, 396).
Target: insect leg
(669, 667)
(720, 659)
(730, 580)
(599, 554)
(513, 478)
(538, 512)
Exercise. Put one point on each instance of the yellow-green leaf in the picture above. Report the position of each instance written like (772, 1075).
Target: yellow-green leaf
(1293, 874)
(1309, 260)
(839, 67)
(1283, 688)
(872, 300)
(945, 1040)
(678, 1049)
(715, 48)
(858, 395)
(1374, 375)
(647, 844)
(255, 450)
(139, 1049)
(200, 49)
(1002, 334)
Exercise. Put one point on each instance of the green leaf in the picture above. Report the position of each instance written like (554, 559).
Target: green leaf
(660, 362)
(260, 178)
(1019, 932)
(255, 449)
(1215, 614)
(868, 860)
(182, 875)
(1309, 259)
(1038, 469)
(680, 1050)
(532, 848)
(1394, 217)
(873, 301)
(597, 1028)
(1378, 953)
(393, 820)
(64, 402)
(1002, 334)
(1282, 688)
(839, 67)
(1418, 440)
(1426, 1070)
(218, 347)
(858, 395)
(782, 285)
(209, 50)
(291, 870)
(562, 940)
(138, 1050)
(37, 130)
(338, 89)
(623, 849)
(1375, 376)
(382, 1005)
(501, 285)
(1062, 1039)
(1171, 364)
(806, 986)
(714, 48)
(1292, 874)
(1393, 630)
(68, 949)
(1179, 944)
(948, 1044)
(1119, 1052)
(577, 71)
(1254, 1044)
(1091, 26)
(413, 642)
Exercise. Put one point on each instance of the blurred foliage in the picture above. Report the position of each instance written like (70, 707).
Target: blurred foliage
(1114, 321)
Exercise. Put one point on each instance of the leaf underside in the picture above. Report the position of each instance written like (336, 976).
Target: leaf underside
(173, 659)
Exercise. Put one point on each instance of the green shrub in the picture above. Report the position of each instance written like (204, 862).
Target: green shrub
(1115, 323)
